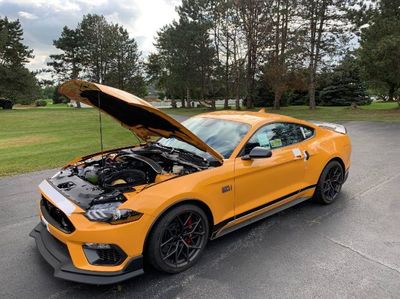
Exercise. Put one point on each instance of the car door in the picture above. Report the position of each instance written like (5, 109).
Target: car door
(263, 181)
(309, 148)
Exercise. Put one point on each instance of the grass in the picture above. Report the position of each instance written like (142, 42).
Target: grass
(381, 106)
(46, 137)
(41, 138)
(387, 112)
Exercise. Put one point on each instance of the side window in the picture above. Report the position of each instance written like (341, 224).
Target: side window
(277, 135)
(307, 132)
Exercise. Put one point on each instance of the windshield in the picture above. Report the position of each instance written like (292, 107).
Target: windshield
(221, 135)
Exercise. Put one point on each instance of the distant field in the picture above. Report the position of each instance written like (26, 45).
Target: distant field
(39, 138)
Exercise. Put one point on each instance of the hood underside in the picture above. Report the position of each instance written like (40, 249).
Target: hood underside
(134, 113)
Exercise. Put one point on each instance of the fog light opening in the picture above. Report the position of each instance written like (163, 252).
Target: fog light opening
(103, 254)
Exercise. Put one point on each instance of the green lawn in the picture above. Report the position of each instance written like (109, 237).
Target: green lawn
(46, 137)
(375, 112)
(40, 138)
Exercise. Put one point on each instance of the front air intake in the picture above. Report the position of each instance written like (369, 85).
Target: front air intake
(55, 216)
(104, 254)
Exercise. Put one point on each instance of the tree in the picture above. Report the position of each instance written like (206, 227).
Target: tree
(185, 58)
(97, 49)
(18, 84)
(195, 23)
(16, 81)
(326, 22)
(283, 58)
(12, 51)
(101, 52)
(380, 48)
(126, 67)
(255, 22)
(344, 85)
(68, 65)
(175, 68)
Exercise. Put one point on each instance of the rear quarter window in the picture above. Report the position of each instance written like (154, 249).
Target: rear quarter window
(307, 132)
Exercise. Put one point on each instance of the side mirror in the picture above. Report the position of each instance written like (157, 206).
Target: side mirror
(257, 153)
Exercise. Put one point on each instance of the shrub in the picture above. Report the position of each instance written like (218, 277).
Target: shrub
(40, 103)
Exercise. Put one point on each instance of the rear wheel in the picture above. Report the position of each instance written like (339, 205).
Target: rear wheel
(330, 183)
(178, 239)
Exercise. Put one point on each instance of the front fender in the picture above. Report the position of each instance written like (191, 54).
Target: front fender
(206, 186)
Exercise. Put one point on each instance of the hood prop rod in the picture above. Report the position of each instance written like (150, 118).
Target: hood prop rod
(100, 129)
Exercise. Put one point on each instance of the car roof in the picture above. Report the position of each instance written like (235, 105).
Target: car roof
(252, 118)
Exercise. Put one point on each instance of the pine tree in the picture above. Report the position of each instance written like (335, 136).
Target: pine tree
(345, 85)
(16, 81)
(99, 51)
(67, 65)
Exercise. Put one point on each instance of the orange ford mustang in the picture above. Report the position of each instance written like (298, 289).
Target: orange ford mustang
(104, 215)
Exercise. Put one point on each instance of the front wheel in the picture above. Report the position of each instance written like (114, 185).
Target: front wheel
(178, 239)
(330, 183)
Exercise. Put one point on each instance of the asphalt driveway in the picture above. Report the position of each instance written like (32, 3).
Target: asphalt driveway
(348, 249)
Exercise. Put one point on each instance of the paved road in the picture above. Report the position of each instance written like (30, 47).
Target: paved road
(348, 249)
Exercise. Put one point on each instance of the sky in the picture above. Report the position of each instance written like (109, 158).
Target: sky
(43, 20)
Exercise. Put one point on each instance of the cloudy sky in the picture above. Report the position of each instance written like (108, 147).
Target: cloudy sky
(43, 20)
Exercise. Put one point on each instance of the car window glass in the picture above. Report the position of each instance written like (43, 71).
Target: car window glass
(222, 135)
(276, 135)
(307, 132)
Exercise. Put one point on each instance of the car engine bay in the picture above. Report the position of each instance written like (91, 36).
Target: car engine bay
(105, 177)
(138, 166)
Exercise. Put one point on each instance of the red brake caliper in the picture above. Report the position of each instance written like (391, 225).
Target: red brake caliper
(188, 238)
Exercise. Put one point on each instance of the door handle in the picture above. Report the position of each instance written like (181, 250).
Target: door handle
(306, 155)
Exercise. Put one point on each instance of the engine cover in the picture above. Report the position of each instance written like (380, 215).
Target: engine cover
(124, 178)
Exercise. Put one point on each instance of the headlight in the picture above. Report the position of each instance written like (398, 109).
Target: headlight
(109, 212)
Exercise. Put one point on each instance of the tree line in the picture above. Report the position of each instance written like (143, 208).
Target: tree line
(258, 52)
(274, 52)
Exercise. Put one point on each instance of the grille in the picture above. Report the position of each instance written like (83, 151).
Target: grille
(104, 256)
(56, 217)
(109, 256)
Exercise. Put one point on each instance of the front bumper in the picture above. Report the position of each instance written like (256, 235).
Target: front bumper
(57, 255)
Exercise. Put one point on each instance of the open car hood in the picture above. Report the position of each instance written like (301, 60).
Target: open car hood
(134, 113)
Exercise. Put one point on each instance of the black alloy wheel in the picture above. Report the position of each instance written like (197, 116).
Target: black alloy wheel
(330, 183)
(178, 239)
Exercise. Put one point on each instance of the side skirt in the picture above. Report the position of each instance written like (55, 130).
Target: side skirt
(226, 228)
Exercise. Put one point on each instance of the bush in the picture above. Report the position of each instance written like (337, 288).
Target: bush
(40, 103)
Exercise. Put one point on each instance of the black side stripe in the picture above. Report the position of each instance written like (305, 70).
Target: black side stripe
(226, 221)
(270, 203)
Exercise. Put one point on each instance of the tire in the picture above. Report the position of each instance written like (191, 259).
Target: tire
(330, 183)
(178, 239)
